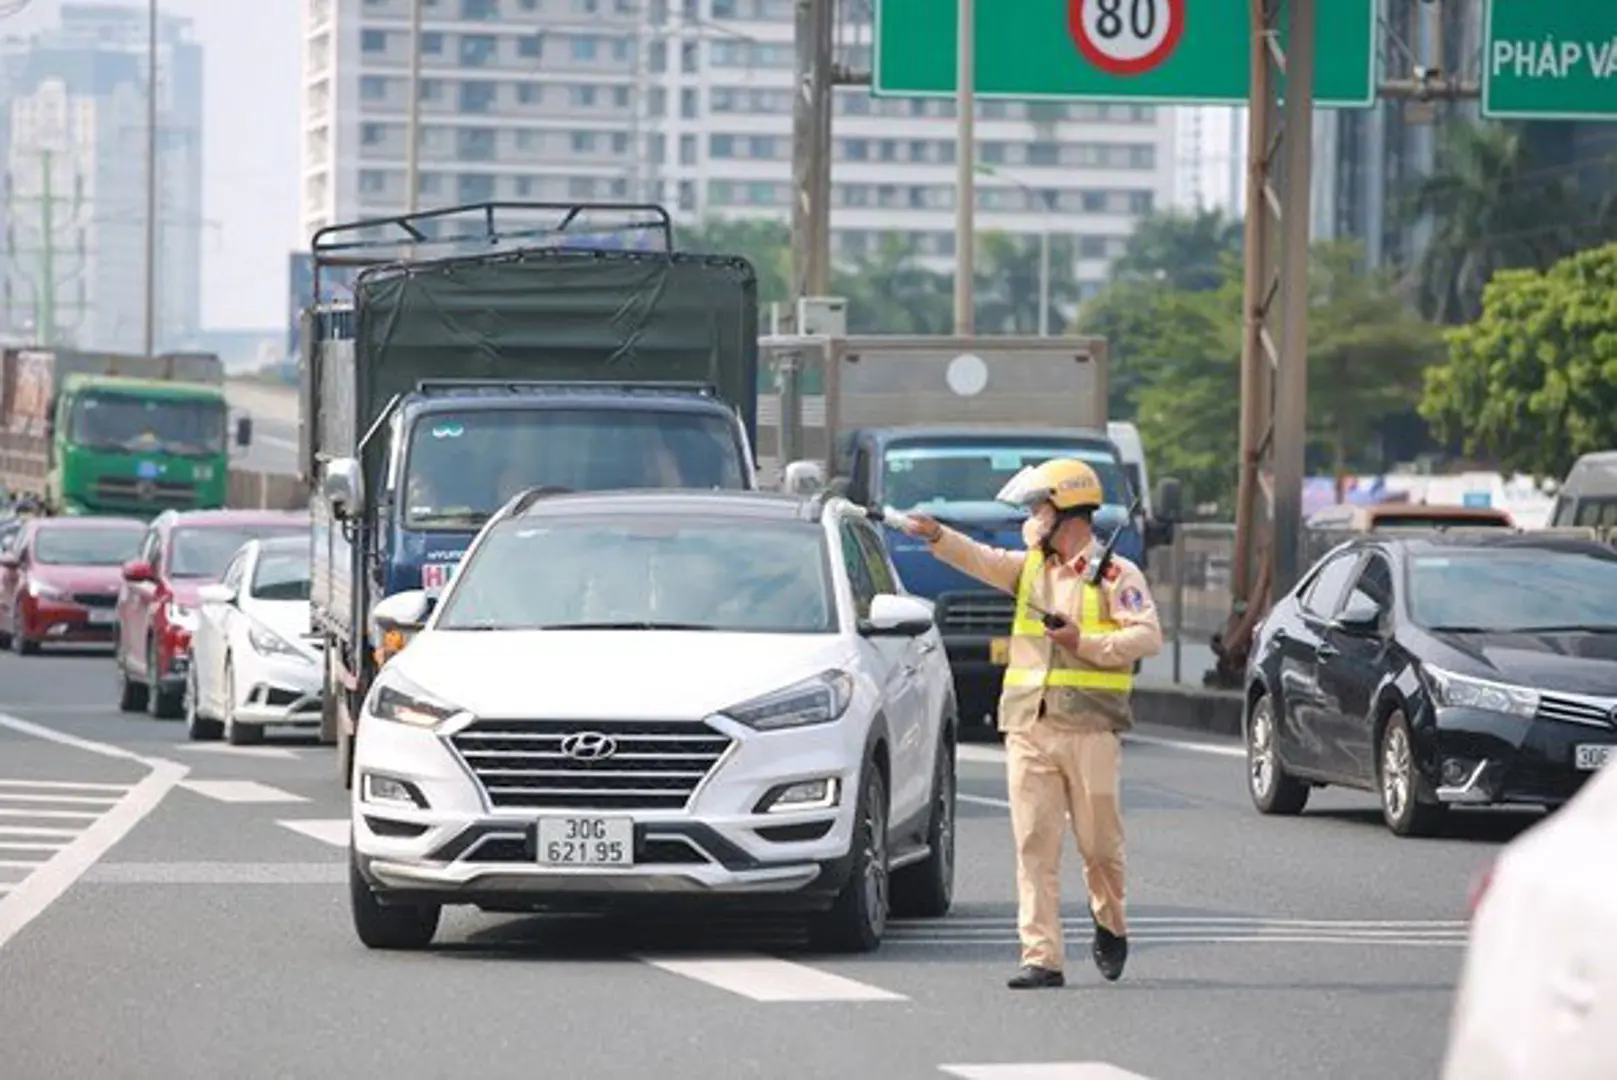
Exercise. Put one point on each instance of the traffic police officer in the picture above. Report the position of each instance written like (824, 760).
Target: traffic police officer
(1064, 704)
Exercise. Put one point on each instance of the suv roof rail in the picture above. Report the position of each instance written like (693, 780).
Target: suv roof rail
(544, 491)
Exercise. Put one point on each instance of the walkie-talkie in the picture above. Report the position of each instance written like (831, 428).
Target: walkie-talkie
(1104, 559)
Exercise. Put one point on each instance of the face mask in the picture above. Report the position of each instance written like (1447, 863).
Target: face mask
(1038, 526)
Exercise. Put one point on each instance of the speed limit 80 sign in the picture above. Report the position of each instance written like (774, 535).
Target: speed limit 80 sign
(1126, 37)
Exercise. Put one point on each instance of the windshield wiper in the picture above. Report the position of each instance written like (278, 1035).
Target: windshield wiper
(449, 517)
(1464, 629)
(627, 625)
(1566, 628)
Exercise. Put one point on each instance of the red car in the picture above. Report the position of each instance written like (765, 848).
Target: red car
(59, 580)
(182, 551)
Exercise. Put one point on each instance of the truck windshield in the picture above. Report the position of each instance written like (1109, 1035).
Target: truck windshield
(938, 476)
(107, 421)
(464, 466)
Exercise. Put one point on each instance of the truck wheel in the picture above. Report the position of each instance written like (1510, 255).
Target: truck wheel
(388, 926)
(926, 890)
(858, 918)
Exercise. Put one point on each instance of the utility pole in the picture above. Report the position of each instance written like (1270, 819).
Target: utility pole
(412, 129)
(150, 323)
(812, 103)
(965, 152)
(1274, 356)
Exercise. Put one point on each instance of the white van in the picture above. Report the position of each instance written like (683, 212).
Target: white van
(1126, 437)
(1588, 499)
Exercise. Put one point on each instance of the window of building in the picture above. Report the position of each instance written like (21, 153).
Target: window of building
(474, 144)
(474, 187)
(688, 61)
(687, 149)
(620, 143)
(531, 46)
(370, 134)
(479, 10)
(584, 47)
(620, 97)
(372, 181)
(373, 41)
(372, 88)
(476, 97)
(583, 142)
(432, 44)
(1141, 202)
(530, 93)
(689, 104)
(477, 50)
(621, 48)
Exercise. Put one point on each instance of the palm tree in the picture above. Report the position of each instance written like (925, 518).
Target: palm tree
(1491, 210)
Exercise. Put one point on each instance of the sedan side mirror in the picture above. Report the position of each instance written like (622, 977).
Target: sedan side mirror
(216, 594)
(1361, 617)
(343, 486)
(244, 431)
(892, 615)
(136, 571)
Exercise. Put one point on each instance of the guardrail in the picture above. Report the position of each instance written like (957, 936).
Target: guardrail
(1191, 579)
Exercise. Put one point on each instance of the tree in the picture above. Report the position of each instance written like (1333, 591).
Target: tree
(764, 242)
(1184, 251)
(1126, 315)
(1491, 209)
(1532, 383)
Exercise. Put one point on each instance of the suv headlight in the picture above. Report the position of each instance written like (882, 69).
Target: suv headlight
(819, 699)
(403, 702)
(1465, 692)
(268, 643)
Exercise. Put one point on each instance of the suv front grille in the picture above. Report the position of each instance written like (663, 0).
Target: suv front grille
(654, 765)
(975, 613)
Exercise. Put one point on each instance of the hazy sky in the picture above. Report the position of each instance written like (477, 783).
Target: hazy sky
(250, 59)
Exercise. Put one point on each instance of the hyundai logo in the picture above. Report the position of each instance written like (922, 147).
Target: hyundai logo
(589, 746)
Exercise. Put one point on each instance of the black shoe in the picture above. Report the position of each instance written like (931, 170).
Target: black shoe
(1033, 977)
(1110, 952)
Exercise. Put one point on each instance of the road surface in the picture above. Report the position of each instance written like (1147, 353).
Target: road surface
(180, 911)
(274, 410)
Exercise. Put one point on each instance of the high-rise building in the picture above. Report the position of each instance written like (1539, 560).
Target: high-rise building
(73, 149)
(690, 105)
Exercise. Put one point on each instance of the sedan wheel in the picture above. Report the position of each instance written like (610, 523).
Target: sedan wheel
(1398, 779)
(1272, 791)
(198, 727)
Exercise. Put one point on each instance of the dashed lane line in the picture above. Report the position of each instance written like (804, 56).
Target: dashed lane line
(273, 753)
(981, 754)
(333, 831)
(24, 901)
(769, 979)
(240, 791)
(1049, 1070)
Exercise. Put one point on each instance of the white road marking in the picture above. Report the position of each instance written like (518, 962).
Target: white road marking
(241, 791)
(1200, 930)
(30, 830)
(60, 815)
(59, 785)
(71, 800)
(333, 831)
(765, 978)
(993, 754)
(1049, 1070)
(24, 902)
(983, 800)
(980, 754)
(1205, 920)
(281, 752)
(29, 845)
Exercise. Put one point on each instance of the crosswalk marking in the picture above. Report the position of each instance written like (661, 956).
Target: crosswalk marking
(34, 830)
(240, 791)
(17, 845)
(768, 979)
(61, 815)
(60, 785)
(1053, 1070)
(333, 831)
(70, 800)
(271, 752)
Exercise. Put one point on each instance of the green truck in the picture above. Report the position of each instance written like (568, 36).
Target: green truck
(110, 433)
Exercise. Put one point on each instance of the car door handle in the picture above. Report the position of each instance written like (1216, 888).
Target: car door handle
(924, 647)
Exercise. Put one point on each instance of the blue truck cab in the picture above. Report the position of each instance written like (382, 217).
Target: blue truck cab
(952, 474)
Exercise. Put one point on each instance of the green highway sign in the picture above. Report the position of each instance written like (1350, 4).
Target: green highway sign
(1175, 52)
(1550, 60)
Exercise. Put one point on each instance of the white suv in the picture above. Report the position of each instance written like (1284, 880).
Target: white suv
(657, 696)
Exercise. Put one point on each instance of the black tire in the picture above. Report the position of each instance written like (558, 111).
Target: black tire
(131, 694)
(1272, 790)
(858, 918)
(926, 889)
(237, 734)
(198, 728)
(388, 926)
(1398, 782)
(161, 704)
(19, 641)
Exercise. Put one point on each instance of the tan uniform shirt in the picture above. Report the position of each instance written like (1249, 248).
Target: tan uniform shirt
(1126, 600)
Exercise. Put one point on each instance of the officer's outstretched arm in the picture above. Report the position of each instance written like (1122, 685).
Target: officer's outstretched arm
(990, 565)
(1138, 634)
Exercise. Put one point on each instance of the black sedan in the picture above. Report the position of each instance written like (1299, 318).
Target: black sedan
(1437, 672)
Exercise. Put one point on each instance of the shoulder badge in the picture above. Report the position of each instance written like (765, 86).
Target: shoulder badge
(1132, 599)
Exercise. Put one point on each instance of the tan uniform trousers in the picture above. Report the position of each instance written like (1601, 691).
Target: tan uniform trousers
(1055, 772)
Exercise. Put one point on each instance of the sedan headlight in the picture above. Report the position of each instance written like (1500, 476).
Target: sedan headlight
(268, 643)
(1466, 692)
(403, 702)
(817, 700)
(41, 591)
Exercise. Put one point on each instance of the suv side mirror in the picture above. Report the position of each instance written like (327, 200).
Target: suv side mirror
(398, 618)
(803, 478)
(1361, 617)
(244, 431)
(138, 570)
(892, 615)
(216, 594)
(343, 486)
(1169, 503)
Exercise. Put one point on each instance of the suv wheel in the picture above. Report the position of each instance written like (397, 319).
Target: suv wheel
(388, 926)
(926, 890)
(858, 918)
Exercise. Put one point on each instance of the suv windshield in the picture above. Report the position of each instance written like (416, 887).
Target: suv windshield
(1525, 590)
(205, 551)
(95, 546)
(107, 421)
(939, 476)
(464, 466)
(734, 575)
(282, 573)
